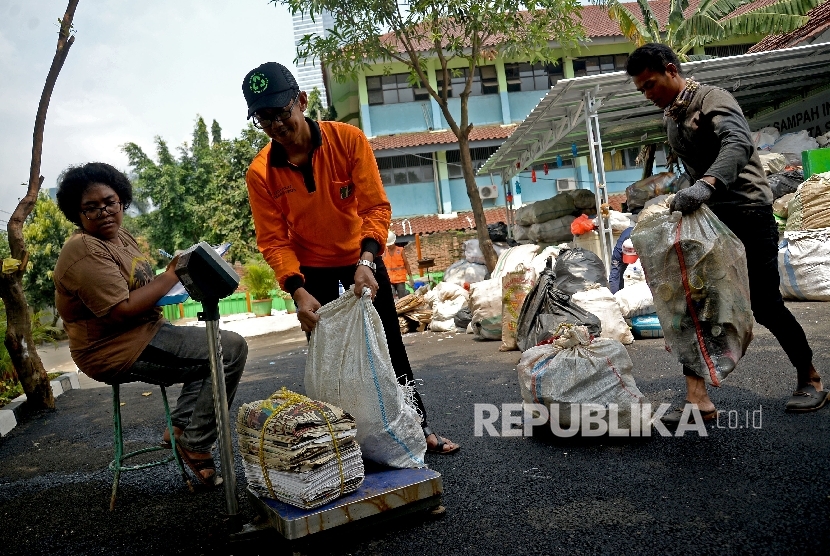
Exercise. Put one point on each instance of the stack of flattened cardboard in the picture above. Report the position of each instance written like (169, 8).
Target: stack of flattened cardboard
(299, 451)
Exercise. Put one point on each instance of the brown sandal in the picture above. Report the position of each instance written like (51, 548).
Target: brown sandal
(197, 465)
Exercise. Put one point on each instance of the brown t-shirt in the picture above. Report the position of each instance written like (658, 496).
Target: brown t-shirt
(91, 277)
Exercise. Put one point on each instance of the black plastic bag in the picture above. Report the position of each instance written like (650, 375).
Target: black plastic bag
(785, 182)
(545, 308)
(463, 318)
(575, 268)
(497, 231)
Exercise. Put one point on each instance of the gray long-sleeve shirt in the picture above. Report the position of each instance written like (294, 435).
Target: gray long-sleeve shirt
(713, 139)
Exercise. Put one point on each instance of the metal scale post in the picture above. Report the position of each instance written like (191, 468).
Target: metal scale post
(606, 239)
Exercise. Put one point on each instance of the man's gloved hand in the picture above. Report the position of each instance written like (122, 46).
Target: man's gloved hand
(689, 199)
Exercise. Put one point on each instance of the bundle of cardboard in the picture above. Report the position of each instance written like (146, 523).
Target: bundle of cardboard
(299, 451)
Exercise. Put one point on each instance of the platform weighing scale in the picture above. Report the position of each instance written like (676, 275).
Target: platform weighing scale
(384, 492)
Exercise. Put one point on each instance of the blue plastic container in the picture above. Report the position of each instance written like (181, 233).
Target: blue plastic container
(647, 326)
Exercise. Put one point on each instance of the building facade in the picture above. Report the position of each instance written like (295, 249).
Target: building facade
(418, 155)
(310, 72)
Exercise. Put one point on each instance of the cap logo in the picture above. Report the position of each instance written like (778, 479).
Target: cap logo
(258, 82)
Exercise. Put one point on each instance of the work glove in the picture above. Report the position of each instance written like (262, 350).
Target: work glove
(689, 199)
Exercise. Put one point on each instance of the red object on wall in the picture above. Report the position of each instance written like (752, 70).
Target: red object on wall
(545, 166)
(533, 175)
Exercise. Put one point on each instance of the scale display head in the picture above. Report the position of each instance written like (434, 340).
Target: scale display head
(204, 274)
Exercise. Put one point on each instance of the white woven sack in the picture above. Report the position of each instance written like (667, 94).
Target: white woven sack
(510, 260)
(804, 265)
(635, 300)
(600, 301)
(464, 271)
(485, 304)
(473, 253)
(348, 366)
(447, 325)
(576, 369)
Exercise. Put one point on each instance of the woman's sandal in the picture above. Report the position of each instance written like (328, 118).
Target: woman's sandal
(197, 465)
(439, 448)
(672, 418)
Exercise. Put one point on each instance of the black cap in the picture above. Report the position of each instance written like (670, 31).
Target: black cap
(270, 85)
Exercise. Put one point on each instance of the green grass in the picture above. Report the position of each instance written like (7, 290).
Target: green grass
(9, 390)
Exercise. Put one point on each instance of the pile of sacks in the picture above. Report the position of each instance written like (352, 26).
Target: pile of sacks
(446, 300)
(299, 451)
(804, 254)
(549, 221)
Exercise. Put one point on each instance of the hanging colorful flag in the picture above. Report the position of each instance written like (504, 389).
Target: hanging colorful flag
(558, 161)
(533, 175)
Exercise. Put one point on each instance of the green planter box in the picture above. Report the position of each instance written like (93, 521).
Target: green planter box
(815, 162)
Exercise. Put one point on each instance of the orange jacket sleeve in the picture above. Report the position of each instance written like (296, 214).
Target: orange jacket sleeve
(372, 204)
(269, 223)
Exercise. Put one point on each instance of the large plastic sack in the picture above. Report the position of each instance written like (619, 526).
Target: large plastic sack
(578, 267)
(497, 231)
(639, 192)
(446, 291)
(521, 233)
(511, 259)
(545, 309)
(463, 318)
(447, 325)
(696, 268)
(582, 225)
(772, 162)
(794, 208)
(485, 303)
(618, 221)
(782, 183)
(815, 202)
(598, 300)
(553, 231)
(804, 265)
(473, 254)
(463, 271)
(577, 368)
(514, 287)
(797, 143)
(583, 198)
(542, 211)
(635, 300)
(348, 365)
(765, 137)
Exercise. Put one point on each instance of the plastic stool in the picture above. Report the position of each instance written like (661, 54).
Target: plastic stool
(117, 464)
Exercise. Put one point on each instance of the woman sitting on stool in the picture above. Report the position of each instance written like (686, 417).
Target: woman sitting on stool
(106, 295)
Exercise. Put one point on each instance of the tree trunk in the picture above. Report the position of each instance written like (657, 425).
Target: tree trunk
(18, 341)
(648, 160)
(484, 242)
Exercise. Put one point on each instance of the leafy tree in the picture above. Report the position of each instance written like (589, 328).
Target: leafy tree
(707, 22)
(45, 232)
(471, 30)
(315, 109)
(201, 195)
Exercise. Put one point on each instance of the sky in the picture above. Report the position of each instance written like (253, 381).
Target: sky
(138, 69)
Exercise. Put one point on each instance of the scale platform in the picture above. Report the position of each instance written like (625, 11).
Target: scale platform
(384, 491)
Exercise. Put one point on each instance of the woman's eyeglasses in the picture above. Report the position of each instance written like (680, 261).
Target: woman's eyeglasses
(98, 212)
(262, 123)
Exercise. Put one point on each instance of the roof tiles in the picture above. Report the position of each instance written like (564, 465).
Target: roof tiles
(447, 137)
(432, 223)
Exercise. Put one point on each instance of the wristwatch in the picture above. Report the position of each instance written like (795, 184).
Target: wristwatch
(370, 264)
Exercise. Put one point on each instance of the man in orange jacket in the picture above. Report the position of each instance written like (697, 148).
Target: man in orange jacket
(320, 211)
(394, 259)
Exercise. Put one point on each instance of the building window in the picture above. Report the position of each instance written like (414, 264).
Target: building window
(402, 170)
(595, 65)
(478, 154)
(621, 159)
(532, 77)
(390, 89)
(485, 81)
(723, 51)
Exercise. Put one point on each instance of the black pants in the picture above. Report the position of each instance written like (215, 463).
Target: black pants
(399, 290)
(322, 284)
(757, 230)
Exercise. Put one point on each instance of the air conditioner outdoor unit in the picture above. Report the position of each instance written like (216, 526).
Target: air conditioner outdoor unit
(488, 192)
(565, 184)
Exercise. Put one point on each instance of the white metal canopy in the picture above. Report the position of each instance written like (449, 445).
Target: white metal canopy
(627, 119)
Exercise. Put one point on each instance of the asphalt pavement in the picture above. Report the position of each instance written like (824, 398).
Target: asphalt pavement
(737, 490)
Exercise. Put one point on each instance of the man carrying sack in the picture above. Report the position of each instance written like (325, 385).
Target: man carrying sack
(320, 211)
(708, 131)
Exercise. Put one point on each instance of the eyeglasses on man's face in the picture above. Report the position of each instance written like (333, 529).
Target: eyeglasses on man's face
(264, 121)
(95, 213)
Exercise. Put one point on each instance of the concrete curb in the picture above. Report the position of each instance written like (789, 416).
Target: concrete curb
(11, 413)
